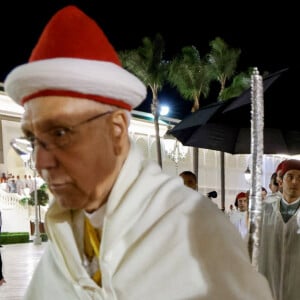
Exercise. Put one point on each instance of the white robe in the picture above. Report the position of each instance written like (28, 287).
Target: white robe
(279, 253)
(239, 220)
(160, 241)
(273, 197)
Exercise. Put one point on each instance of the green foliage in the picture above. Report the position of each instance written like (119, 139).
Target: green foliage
(147, 62)
(42, 197)
(239, 84)
(190, 75)
(14, 237)
(18, 237)
(223, 59)
(24, 200)
(44, 237)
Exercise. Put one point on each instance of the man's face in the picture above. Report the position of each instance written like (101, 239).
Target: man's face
(291, 185)
(263, 194)
(242, 203)
(81, 173)
(189, 181)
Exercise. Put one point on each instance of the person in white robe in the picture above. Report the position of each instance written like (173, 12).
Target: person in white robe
(274, 188)
(280, 236)
(159, 238)
(239, 217)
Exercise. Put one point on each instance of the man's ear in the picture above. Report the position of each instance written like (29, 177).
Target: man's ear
(119, 121)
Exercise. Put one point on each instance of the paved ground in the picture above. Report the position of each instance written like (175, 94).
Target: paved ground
(19, 261)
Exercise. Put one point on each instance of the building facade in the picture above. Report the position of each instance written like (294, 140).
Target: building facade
(175, 159)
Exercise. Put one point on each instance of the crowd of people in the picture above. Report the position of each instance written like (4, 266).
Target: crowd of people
(279, 242)
(279, 228)
(15, 184)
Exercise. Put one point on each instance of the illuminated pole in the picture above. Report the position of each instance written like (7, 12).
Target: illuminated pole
(257, 150)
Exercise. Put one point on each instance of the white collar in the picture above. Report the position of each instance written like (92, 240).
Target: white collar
(96, 218)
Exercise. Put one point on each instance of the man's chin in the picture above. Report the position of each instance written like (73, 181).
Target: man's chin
(68, 202)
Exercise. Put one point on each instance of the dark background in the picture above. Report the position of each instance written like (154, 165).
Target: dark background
(267, 36)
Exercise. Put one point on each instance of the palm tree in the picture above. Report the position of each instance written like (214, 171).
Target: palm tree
(239, 84)
(191, 76)
(147, 63)
(223, 61)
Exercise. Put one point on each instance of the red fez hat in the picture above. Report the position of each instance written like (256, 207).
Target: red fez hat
(73, 57)
(241, 195)
(289, 164)
(279, 167)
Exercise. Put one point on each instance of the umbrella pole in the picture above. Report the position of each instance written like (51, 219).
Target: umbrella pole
(257, 142)
(222, 160)
(196, 163)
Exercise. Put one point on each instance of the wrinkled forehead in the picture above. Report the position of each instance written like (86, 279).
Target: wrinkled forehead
(58, 105)
(57, 109)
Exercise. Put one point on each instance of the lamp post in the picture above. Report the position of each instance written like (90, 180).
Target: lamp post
(247, 175)
(24, 150)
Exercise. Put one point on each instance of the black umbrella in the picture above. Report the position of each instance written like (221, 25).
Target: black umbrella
(236, 140)
(226, 126)
(245, 97)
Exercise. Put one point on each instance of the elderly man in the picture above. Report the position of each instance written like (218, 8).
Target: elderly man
(280, 236)
(154, 243)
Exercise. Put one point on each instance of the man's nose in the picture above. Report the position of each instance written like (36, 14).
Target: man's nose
(43, 158)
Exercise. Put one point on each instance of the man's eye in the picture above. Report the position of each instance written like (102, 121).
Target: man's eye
(31, 139)
(59, 132)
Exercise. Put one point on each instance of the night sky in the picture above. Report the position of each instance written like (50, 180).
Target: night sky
(267, 36)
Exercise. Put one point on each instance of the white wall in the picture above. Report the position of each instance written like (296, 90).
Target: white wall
(16, 218)
(209, 177)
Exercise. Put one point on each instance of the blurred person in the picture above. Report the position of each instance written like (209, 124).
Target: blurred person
(274, 188)
(189, 179)
(154, 243)
(2, 280)
(231, 209)
(19, 185)
(280, 236)
(239, 217)
(11, 184)
(3, 178)
(273, 185)
(264, 193)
